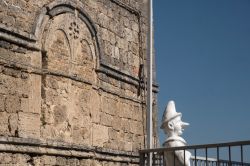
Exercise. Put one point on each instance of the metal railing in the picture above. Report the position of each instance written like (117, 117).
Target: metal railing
(221, 154)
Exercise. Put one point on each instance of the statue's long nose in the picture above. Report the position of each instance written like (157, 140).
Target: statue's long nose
(184, 124)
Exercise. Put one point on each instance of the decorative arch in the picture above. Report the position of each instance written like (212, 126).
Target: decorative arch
(58, 7)
(71, 53)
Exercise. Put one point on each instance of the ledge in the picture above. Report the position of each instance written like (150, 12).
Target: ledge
(35, 70)
(51, 147)
(18, 37)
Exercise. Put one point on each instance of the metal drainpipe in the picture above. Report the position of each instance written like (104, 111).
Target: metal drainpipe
(149, 80)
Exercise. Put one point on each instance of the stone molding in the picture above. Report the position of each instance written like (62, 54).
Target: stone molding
(54, 148)
(38, 71)
(17, 37)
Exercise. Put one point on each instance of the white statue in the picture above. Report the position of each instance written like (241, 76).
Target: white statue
(173, 127)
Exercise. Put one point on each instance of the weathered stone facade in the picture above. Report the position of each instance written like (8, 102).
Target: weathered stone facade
(72, 76)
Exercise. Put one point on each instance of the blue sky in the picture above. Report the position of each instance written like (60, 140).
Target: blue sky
(203, 63)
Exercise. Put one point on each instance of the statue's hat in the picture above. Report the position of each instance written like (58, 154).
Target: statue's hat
(170, 113)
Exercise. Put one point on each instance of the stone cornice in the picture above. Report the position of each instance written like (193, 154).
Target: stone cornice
(35, 70)
(18, 37)
(57, 148)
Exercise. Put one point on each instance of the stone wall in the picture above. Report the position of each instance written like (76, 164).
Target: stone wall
(72, 79)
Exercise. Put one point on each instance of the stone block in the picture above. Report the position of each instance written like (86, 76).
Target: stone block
(134, 48)
(135, 37)
(112, 38)
(8, 20)
(123, 56)
(120, 145)
(116, 53)
(109, 105)
(21, 159)
(134, 128)
(23, 87)
(95, 106)
(47, 116)
(85, 162)
(6, 158)
(106, 119)
(137, 112)
(117, 124)
(95, 163)
(3, 89)
(60, 114)
(73, 162)
(2, 103)
(28, 125)
(13, 124)
(12, 72)
(128, 146)
(104, 34)
(126, 22)
(128, 137)
(130, 58)
(134, 26)
(24, 75)
(113, 134)
(139, 128)
(138, 142)
(125, 111)
(92, 4)
(4, 123)
(61, 161)
(103, 20)
(96, 115)
(12, 104)
(129, 34)
(51, 82)
(125, 125)
(35, 94)
(37, 161)
(108, 49)
(100, 135)
(25, 104)
(122, 43)
(112, 144)
(82, 135)
(136, 61)
(47, 131)
(136, 146)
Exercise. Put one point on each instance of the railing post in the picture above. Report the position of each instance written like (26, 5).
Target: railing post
(218, 156)
(195, 157)
(174, 157)
(229, 155)
(241, 154)
(206, 157)
(184, 157)
(153, 158)
(142, 159)
(162, 159)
